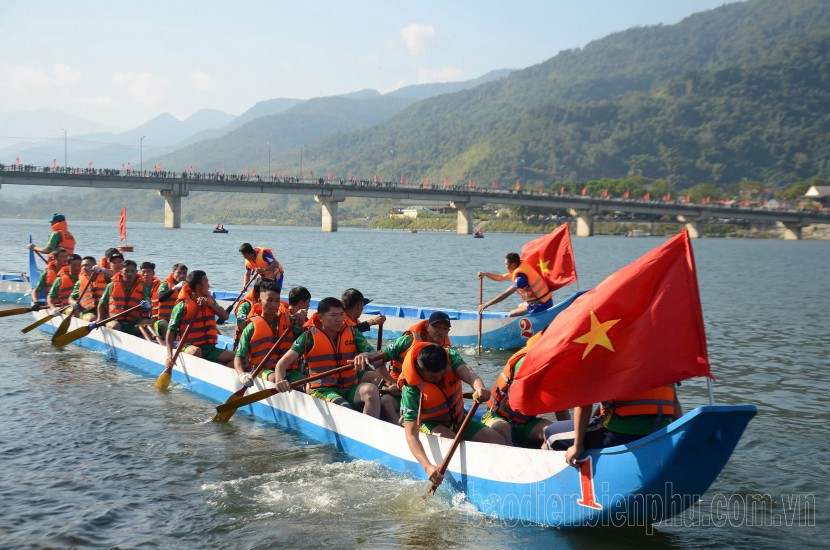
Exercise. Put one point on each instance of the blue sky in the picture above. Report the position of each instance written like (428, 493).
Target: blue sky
(122, 63)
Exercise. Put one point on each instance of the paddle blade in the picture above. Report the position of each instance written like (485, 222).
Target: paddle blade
(223, 417)
(63, 328)
(247, 400)
(163, 381)
(36, 324)
(70, 337)
(15, 311)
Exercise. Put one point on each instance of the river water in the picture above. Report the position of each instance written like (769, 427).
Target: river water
(93, 456)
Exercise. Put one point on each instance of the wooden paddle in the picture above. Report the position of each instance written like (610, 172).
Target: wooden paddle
(219, 417)
(380, 336)
(480, 313)
(455, 443)
(163, 381)
(39, 255)
(19, 310)
(65, 323)
(241, 295)
(39, 322)
(79, 333)
(264, 394)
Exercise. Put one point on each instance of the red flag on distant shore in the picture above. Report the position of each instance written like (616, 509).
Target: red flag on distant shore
(122, 224)
(552, 257)
(640, 328)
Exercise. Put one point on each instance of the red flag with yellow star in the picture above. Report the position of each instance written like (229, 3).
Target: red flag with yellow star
(640, 328)
(553, 257)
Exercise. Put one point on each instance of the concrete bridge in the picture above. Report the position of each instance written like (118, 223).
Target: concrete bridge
(330, 193)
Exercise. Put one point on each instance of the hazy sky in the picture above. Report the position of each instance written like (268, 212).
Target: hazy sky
(122, 63)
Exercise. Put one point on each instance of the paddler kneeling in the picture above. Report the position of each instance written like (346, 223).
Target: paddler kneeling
(432, 401)
(329, 344)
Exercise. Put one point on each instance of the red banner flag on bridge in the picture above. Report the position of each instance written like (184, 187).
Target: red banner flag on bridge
(122, 224)
(640, 328)
(552, 257)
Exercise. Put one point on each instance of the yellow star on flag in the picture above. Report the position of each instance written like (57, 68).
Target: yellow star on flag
(543, 267)
(597, 336)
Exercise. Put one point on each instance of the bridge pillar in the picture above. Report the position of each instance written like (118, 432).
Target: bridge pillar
(694, 225)
(172, 209)
(465, 216)
(329, 204)
(584, 222)
(792, 231)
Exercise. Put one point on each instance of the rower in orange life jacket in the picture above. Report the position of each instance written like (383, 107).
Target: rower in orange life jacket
(526, 281)
(60, 237)
(621, 421)
(327, 345)
(125, 291)
(197, 309)
(63, 285)
(163, 308)
(435, 330)
(264, 330)
(248, 307)
(85, 297)
(432, 401)
(49, 274)
(515, 427)
(261, 261)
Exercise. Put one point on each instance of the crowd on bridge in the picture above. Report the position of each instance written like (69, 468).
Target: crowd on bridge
(351, 181)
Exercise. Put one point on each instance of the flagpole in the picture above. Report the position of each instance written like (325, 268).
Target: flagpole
(480, 314)
(711, 390)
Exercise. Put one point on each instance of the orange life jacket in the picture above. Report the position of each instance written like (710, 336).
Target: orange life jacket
(286, 322)
(250, 297)
(536, 289)
(259, 261)
(442, 403)
(67, 285)
(89, 298)
(121, 300)
(263, 340)
(653, 402)
(163, 310)
(323, 357)
(67, 240)
(419, 334)
(499, 402)
(202, 320)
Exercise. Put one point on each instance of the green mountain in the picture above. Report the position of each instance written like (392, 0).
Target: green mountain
(733, 93)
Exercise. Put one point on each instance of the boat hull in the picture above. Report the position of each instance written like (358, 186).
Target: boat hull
(666, 470)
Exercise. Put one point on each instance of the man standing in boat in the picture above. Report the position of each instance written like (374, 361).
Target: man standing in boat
(328, 344)
(197, 309)
(60, 237)
(261, 261)
(526, 281)
(432, 401)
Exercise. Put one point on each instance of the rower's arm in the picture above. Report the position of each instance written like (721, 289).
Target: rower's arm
(282, 365)
(494, 276)
(467, 374)
(413, 439)
(581, 417)
(510, 290)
